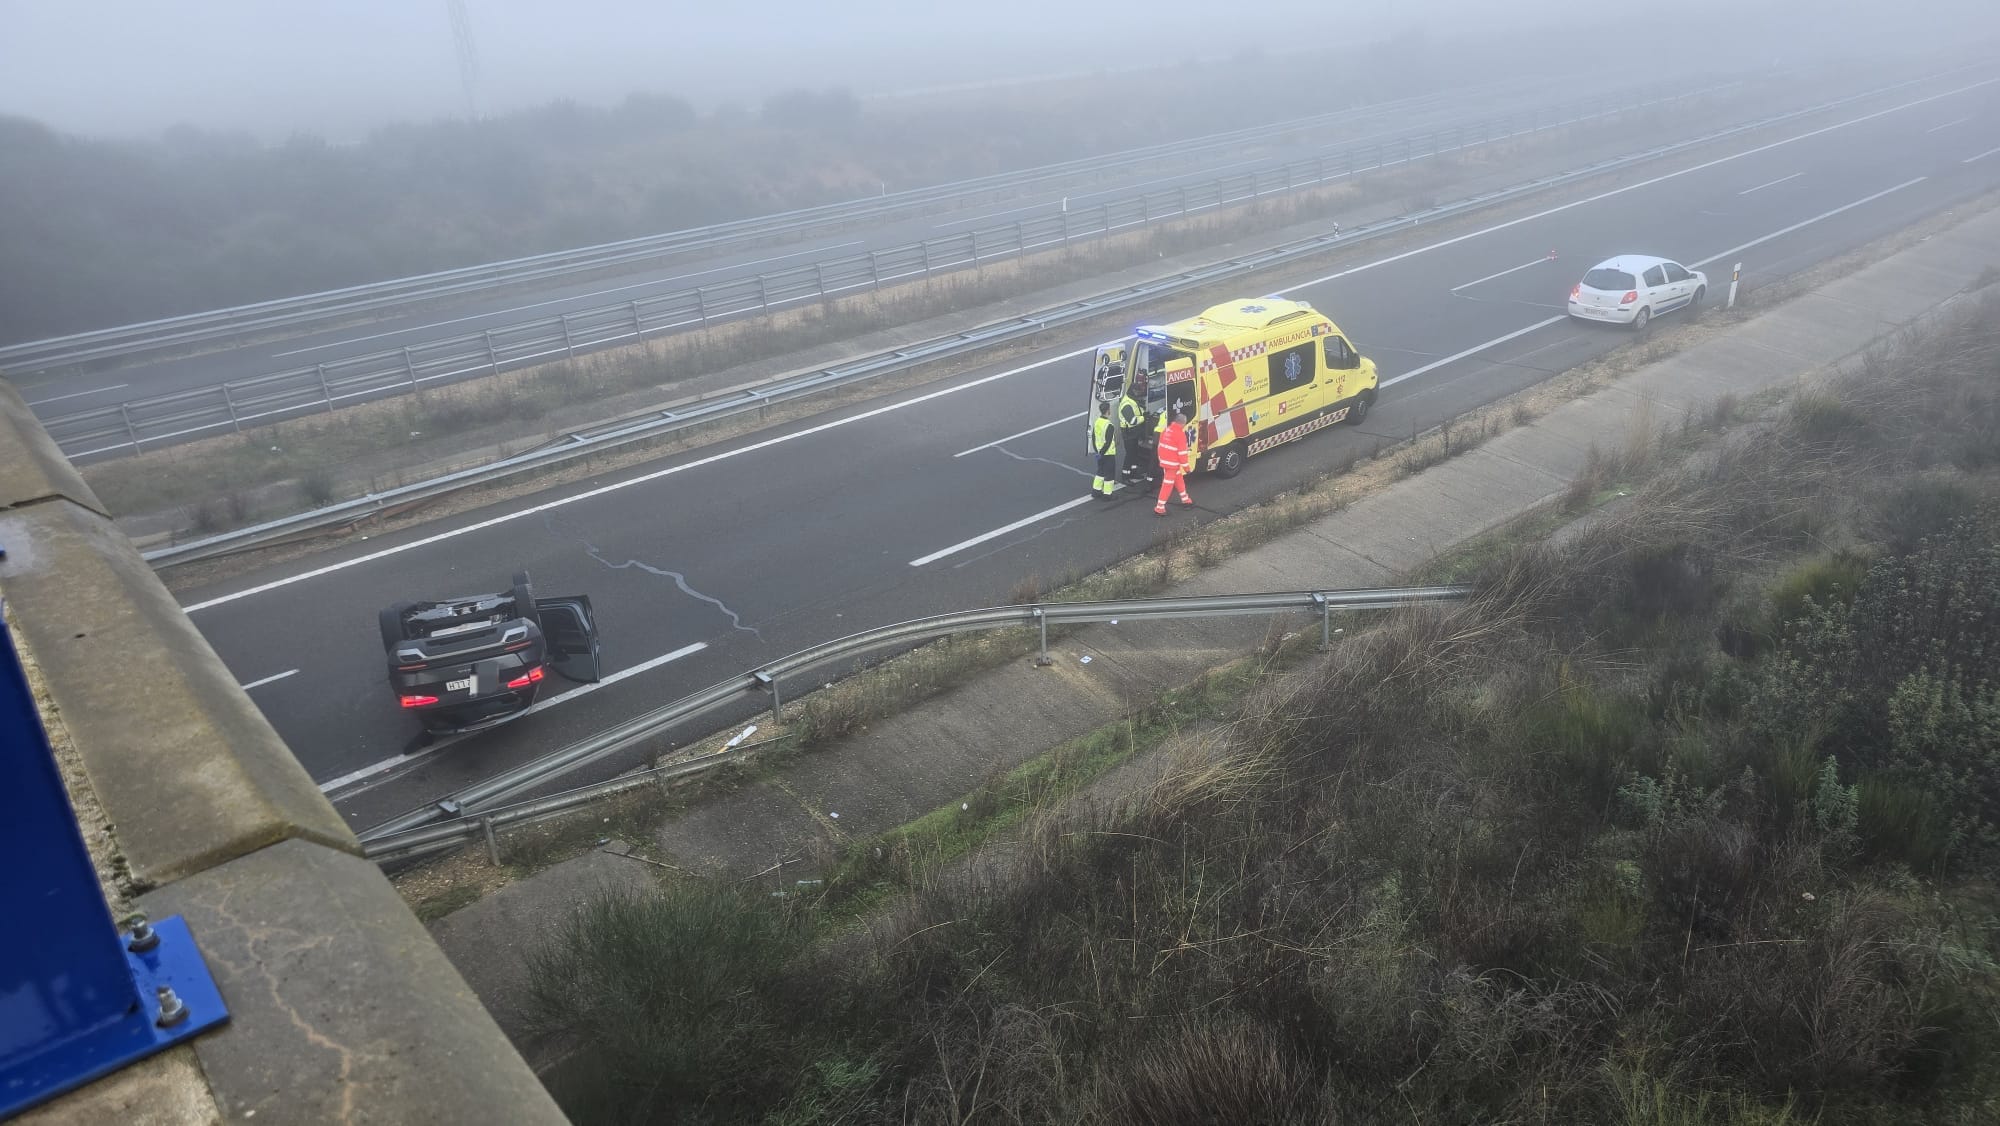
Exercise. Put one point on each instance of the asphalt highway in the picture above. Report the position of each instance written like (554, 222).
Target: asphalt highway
(945, 497)
(56, 393)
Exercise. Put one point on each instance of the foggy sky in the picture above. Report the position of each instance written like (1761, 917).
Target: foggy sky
(339, 67)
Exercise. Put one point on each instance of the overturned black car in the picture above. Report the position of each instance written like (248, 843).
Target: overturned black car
(473, 661)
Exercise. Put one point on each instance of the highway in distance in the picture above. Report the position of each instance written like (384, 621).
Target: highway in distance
(944, 497)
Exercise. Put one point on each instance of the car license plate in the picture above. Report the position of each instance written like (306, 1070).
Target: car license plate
(458, 685)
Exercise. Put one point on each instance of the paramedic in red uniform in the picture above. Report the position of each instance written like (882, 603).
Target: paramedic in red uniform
(1175, 461)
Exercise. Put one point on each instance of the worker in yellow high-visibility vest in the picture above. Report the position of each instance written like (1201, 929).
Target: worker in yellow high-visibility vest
(1104, 446)
(1133, 433)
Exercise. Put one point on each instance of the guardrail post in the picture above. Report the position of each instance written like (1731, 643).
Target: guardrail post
(1325, 621)
(770, 684)
(492, 843)
(1183, 210)
(972, 240)
(1106, 212)
(925, 246)
(130, 431)
(493, 358)
(819, 275)
(763, 295)
(634, 306)
(1319, 169)
(230, 403)
(1020, 236)
(1042, 620)
(701, 303)
(325, 392)
(874, 271)
(569, 346)
(409, 368)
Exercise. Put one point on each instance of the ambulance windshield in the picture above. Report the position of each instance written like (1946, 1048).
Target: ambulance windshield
(1152, 358)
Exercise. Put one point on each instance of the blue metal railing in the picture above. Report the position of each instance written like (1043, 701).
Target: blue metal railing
(78, 997)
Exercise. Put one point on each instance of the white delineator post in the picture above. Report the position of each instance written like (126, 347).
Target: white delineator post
(1735, 275)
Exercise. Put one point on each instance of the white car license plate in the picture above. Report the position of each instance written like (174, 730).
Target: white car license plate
(457, 685)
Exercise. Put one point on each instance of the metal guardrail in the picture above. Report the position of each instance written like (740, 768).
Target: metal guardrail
(656, 424)
(294, 312)
(132, 425)
(462, 816)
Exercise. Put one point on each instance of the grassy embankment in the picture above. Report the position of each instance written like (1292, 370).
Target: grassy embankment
(1690, 818)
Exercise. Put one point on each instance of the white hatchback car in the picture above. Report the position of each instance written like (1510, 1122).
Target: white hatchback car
(1632, 289)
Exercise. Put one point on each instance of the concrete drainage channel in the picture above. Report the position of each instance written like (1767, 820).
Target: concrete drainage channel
(654, 425)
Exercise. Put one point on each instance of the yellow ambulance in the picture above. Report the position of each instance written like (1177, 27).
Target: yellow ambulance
(1248, 374)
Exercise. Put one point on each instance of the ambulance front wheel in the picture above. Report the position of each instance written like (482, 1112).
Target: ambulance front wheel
(1359, 410)
(1229, 460)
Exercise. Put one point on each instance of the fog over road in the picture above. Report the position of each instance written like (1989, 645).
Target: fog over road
(944, 497)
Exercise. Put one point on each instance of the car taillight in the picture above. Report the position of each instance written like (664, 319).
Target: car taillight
(418, 701)
(530, 677)
(1631, 295)
(1576, 291)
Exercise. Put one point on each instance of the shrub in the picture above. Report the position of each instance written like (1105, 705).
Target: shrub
(674, 997)
(1239, 1072)
(1831, 580)
(1819, 417)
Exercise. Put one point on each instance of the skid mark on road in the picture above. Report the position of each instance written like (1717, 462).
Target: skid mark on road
(1043, 460)
(680, 581)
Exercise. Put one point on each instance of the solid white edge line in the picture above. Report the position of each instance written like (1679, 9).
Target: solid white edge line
(1948, 124)
(560, 300)
(386, 764)
(587, 494)
(1501, 274)
(536, 510)
(1771, 184)
(1634, 187)
(998, 532)
(1979, 156)
(268, 680)
(78, 394)
(1807, 222)
(1457, 356)
(1022, 434)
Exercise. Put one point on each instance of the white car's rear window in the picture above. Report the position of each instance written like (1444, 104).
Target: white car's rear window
(1609, 279)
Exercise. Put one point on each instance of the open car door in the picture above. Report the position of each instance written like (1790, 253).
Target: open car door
(570, 629)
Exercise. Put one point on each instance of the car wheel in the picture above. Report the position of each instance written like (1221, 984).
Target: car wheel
(1359, 411)
(391, 621)
(1232, 461)
(524, 598)
(1639, 322)
(1700, 292)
